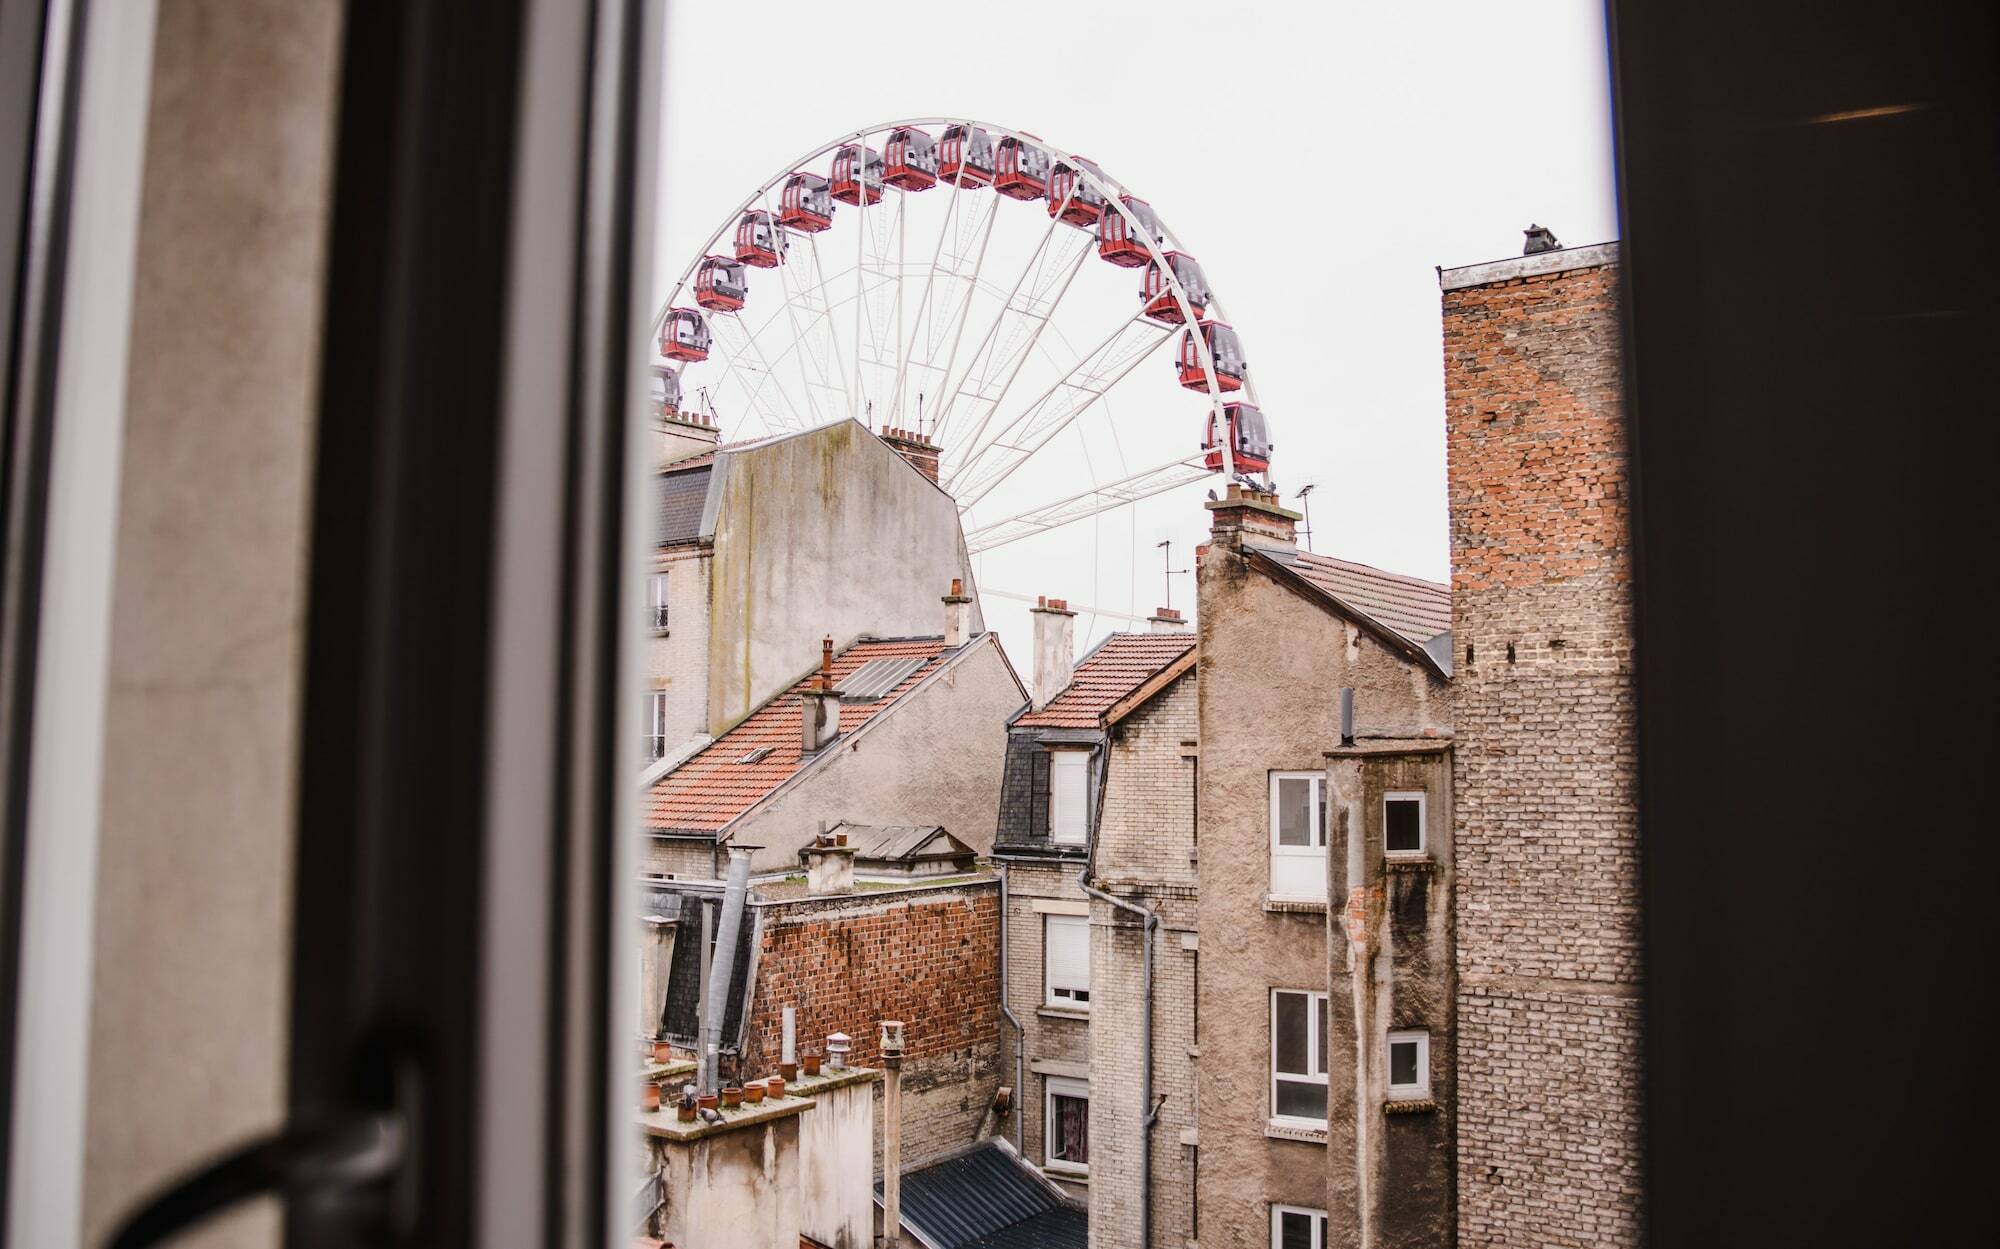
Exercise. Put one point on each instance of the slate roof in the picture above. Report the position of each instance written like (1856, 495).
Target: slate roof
(899, 841)
(710, 788)
(1411, 606)
(679, 495)
(1123, 663)
(985, 1198)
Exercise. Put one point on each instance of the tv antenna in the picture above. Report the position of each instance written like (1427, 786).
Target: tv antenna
(1172, 572)
(1305, 502)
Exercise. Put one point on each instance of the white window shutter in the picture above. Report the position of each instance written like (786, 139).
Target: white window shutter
(1066, 951)
(1068, 793)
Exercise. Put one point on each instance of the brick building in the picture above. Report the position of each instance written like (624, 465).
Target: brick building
(1549, 1008)
(1325, 1083)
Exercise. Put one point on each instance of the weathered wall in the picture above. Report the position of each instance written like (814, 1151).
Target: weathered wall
(733, 1189)
(826, 532)
(1271, 666)
(677, 660)
(1548, 947)
(1055, 1040)
(836, 1143)
(928, 956)
(681, 858)
(935, 758)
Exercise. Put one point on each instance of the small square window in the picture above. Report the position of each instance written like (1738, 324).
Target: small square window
(1409, 1065)
(1297, 1227)
(1403, 823)
(1066, 1126)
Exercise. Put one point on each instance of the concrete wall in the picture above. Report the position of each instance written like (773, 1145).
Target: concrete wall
(1055, 1041)
(737, 1188)
(1548, 948)
(826, 532)
(934, 758)
(192, 971)
(1272, 664)
(837, 1142)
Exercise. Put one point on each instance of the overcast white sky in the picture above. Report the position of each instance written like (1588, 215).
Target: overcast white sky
(1320, 159)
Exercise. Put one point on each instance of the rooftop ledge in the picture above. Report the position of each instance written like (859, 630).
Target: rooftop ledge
(1557, 261)
(665, 1123)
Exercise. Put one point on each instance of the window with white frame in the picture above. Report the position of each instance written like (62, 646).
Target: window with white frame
(656, 602)
(1297, 1227)
(1066, 1126)
(1298, 1056)
(1298, 835)
(656, 724)
(1409, 1065)
(1066, 960)
(1403, 823)
(1069, 789)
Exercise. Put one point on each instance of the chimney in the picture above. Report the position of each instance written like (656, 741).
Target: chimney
(892, 1131)
(1055, 648)
(1537, 239)
(656, 961)
(1168, 620)
(686, 435)
(1250, 516)
(957, 614)
(819, 705)
(920, 451)
(829, 865)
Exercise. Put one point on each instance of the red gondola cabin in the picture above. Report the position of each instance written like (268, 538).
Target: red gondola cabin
(1227, 352)
(1249, 443)
(857, 170)
(1158, 294)
(965, 157)
(666, 392)
(806, 204)
(1117, 240)
(719, 285)
(684, 335)
(1071, 198)
(910, 160)
(760, 243)
(1021, 170)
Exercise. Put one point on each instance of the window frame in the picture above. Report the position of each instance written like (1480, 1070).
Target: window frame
(1316, 852)
(1423, 801)
(1082, 756)
(1052, 1088)
(1421, 1090)
(658, 585)
(656, 725)
(1315, 1057)
(1049, 987)
(1319, 1224)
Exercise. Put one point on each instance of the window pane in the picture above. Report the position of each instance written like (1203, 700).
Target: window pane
(1321, 1052)
(1289, 1046)
(1295, 1230)
(1301, 1101)
(1403, 1062)
(1295, 811)
(1403, 824)
(1070, 1130)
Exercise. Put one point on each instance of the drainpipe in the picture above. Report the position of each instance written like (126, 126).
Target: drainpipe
(1007, 1013)
(725, 962)
(1151, 921)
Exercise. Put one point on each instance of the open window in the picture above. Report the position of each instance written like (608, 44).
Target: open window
(1405, 824)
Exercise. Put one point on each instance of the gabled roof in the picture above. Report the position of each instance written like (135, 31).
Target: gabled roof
(1410, 614)
(711, 788)
(986, 1198)
(1119, 666)
(889, 842)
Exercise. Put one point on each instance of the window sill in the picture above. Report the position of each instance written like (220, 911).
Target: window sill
(1410, 1106)
(1277, 904)
(1284, 1130)
(1061, 1176)
(1063, 1012)
(1414, 863)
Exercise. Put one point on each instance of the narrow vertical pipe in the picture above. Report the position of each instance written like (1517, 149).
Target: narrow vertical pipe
(1020, 1033)
(726, 933)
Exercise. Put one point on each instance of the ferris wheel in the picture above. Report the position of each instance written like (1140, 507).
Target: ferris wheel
(969, 289)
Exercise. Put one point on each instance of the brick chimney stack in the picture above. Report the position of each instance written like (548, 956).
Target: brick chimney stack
(1252, 517)
(957, 613)
(919, 450)
(1168, 620)
(819, 705)
(686, 435)
(1055, 648)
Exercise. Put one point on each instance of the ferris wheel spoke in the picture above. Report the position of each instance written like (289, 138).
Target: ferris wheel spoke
(1081, 506)
(1029, 431)
(765, 381)
(962, 311)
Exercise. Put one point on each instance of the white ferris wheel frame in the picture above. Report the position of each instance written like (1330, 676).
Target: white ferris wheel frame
(1159, 240)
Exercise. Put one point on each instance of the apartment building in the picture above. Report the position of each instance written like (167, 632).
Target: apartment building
(1324, 908)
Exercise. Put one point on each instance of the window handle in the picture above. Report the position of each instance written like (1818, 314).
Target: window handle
(313, 1159)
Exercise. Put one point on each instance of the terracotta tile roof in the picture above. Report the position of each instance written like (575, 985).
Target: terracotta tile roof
(1115, 669)
(711, 788)
(1411, 606)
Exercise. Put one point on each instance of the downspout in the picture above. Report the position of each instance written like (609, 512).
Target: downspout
(725, 963)
(1007, 1012)
(1150, 922)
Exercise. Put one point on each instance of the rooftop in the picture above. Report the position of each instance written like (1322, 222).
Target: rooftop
(986, 1198)
(1116, 669)
(1506, 270)
(1417, 609)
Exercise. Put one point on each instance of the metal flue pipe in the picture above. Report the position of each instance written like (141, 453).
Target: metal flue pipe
(733, 894)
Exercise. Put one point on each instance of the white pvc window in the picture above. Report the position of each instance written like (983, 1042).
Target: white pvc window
(1066, 1125)
(656, 724)
(1409, 1065)
(656, 602)
(1404, 821)
(1069, 788)
(1297, 1227)
(1298, 1056)
(1298, 835)
(1066, 960)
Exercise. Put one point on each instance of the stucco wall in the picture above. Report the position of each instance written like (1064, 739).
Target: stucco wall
(827, 532)
(836, 1145)
(1272, 664)
(735, 1189)
(934, 758)
(677, 660)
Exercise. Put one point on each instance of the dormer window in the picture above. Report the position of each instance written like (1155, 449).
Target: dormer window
(1069, 788)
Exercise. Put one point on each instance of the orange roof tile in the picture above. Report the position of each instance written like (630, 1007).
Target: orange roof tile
(711, 788)
(1413, 607)
(1115, 669)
